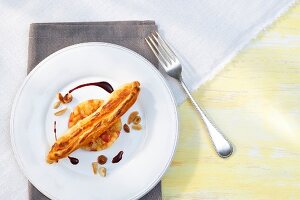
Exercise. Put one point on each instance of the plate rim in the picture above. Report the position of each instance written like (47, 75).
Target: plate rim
(40, 64)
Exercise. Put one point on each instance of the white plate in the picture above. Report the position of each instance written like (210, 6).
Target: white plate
(147, 153)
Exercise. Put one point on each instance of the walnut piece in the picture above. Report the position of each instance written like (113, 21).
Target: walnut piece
(137, 127)
(56, 104)
(95, 167)
(126, 128)
(60, 112)
(64, 99)
(60, 97)
(67, 98)
(102, 171)
(137, 120)
(102, 159)
(132, 116)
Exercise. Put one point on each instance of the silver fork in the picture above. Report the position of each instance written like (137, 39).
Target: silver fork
(173, 68)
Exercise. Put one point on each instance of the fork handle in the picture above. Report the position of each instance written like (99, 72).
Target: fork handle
(222, 145)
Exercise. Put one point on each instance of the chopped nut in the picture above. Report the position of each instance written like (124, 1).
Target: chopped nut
(95, 167)
(102, 171)
(67, 98)
(126, 128)
(136, 126)
(137, 120)
(61, 112)
(60, 97)
(56, 104)
(132, 116)
(102, 159)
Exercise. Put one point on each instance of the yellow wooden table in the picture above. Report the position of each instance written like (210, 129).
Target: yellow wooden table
(255, 101)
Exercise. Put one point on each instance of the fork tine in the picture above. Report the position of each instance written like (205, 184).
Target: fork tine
(162, 50)
(166, 46)
(153, 48)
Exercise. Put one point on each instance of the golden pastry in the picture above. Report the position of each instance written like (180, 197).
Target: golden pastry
(106, 139)
(97, 123)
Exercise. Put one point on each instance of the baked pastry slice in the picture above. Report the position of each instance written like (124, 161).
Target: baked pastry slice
(95, 124)
(106, 139)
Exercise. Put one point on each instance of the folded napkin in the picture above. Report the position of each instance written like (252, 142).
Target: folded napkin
(46, 38)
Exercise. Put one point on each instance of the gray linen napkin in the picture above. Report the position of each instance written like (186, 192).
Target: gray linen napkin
(46, 38)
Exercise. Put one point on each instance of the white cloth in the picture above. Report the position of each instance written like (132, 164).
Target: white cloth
(206, 34)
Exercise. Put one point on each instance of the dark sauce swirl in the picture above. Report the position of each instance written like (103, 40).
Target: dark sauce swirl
(118, 157)
(73, 160)
(103, 84)
(55, 130)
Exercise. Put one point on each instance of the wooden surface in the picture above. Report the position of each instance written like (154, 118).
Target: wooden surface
(255, 101)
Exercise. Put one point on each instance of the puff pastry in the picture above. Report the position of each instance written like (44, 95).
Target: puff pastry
(107, 138)
(95, 124)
